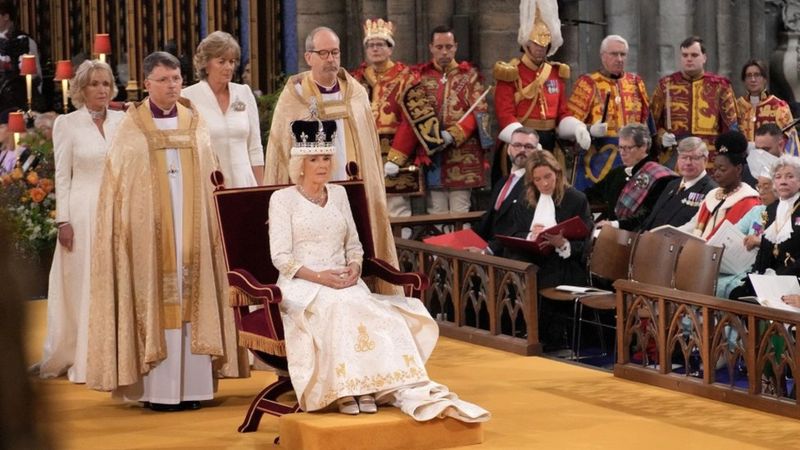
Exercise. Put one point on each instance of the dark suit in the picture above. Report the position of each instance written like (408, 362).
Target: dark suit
(674, 208)
(553, 269)
(500, 221)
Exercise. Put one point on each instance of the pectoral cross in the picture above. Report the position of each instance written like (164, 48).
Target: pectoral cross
(444, 78)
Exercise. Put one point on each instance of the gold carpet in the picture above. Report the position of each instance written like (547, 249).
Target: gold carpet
(535, 402)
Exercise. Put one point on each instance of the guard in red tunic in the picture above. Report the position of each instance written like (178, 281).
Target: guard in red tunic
(530, 90)
(386, 81)
(604, 101)
(759, 107)
(441, 125)
(692, 102)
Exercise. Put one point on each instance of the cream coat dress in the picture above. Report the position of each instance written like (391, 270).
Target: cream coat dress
(80, 151)
(235, 133)
(342, 342)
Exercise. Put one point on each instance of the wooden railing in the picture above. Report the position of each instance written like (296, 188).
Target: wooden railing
(477, 298)
(716, 348)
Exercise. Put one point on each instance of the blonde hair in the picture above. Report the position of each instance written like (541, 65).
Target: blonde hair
(84, 75)
(296, 167)
(215, 45)
(543, 158)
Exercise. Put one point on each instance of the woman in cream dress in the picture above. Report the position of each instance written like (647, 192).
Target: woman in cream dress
(80, 142)
(345, 344)
(229, 109)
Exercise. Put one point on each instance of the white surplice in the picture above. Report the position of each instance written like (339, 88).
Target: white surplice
(79, 151)
(235, 133)
(342, 342)
(182, 375)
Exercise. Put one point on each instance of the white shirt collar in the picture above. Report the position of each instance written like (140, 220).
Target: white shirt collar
(689, 183)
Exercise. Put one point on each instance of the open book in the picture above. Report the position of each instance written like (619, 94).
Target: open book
(580, 289)
(770, 288)
(573, 229)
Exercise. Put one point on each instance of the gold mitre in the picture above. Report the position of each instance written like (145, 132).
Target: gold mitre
(539, 22)
(379, 29)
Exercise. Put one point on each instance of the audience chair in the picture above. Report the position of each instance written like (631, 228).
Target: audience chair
(608, 260)
(244, 228)
(652, 261)
(697, 267)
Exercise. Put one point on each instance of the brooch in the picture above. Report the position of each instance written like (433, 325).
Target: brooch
(238, 105)
(642, 181)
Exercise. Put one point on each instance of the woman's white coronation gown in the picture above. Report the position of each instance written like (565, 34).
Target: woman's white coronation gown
(80, 151)
(342, 342)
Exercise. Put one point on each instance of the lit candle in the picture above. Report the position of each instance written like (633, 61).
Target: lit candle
(64, 73)
(28, 68)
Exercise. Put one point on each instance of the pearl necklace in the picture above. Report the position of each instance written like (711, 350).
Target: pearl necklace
(318, 200)
(97, 115)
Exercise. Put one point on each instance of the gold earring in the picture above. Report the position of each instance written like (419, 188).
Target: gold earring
(301, 173)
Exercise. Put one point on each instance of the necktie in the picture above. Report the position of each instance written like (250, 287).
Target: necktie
(504, 192)
(680, 188)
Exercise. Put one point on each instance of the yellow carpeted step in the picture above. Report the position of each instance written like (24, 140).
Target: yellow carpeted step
(388, 429)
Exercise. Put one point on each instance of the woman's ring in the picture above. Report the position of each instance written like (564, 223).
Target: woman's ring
(341, 275)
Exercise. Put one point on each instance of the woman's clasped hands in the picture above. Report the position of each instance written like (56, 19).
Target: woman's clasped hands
(340, 278)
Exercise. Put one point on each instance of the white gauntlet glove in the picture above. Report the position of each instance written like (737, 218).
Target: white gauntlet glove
(668, 140)
(448, 138)
(391, 169)
(598, 130)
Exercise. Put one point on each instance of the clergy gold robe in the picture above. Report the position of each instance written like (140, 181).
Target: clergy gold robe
(133, 292)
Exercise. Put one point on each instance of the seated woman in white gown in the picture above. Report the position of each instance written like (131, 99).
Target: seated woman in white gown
(344, 344)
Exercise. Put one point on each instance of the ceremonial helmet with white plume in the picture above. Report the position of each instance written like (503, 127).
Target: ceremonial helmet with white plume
(539, 22)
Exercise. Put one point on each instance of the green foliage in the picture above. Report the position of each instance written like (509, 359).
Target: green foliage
(266, 108)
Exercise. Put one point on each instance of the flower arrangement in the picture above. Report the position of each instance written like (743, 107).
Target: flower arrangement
(27, 194)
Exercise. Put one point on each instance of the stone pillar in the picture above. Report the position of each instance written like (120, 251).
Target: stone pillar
(314, 13)
(403, 14)
(622, 18)
(675, 25)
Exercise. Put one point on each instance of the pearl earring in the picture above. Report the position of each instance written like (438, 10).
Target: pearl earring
(301, 174)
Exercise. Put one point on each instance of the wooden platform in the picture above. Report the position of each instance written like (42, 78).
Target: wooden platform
(389, 429)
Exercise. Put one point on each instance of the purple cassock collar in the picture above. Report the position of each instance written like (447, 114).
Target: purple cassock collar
(331, 90)
(159, 113)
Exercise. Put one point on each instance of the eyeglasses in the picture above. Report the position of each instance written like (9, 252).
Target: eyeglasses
(177, 79)
(753, 76)
(691, 157)
(377, 45)
(518, 145)
(325, 53)
(627, 148)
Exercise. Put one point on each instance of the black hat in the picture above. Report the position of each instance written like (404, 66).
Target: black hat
(733, 145)
(313, 137)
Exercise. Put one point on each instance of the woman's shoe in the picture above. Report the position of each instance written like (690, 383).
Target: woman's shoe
(348, 405)
(366, 403)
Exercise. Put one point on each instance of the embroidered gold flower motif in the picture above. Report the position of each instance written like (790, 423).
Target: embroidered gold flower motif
(409, 360)
(363, 344)
(341, 370)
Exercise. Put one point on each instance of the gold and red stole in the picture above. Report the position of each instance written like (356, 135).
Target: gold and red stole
(175, 310)
(334, 110)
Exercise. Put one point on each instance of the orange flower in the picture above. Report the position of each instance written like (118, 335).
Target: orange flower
(16, 174)
(37, 194)
(52, 214)
(46, 184)
(6, 180)
(32, 178)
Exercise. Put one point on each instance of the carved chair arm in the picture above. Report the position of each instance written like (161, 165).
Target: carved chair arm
(383, 270)
(245, 290)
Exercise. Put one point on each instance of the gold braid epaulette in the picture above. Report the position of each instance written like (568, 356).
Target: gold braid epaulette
(506, 71)
(564, 70)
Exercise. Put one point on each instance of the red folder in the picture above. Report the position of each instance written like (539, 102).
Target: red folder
(458, 240)
(573, 228)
